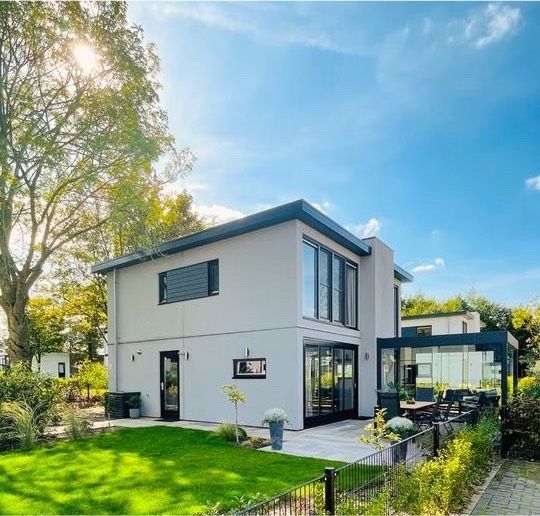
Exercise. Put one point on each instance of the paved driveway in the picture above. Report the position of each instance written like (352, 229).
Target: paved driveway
(515, 489)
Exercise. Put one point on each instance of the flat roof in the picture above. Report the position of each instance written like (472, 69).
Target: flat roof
(435, 314)
(456, 339)
(296, 210)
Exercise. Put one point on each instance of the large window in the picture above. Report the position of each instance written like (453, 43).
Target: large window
(191, 282)
(309, 262)
(330, 286)
(397, 302)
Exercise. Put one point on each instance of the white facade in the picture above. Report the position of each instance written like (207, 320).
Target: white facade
(258, 312)
(444, 324)
(54, 364)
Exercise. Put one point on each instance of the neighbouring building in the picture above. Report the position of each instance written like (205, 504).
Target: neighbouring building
(53, 364)
(285, 303)
(444, 323)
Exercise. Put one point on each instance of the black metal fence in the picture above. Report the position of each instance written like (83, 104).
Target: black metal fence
(354, 488)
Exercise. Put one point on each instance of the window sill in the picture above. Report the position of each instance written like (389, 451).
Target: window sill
(330, 323)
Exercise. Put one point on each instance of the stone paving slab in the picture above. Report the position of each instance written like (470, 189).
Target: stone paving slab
(515, 490)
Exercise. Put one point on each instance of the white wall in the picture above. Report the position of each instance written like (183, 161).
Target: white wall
(50, 361)
(376, 317)
(446, 325)
(259, 306)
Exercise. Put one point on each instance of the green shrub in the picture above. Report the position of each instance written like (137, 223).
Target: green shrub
(442, 485)
(91, 378)
(21, 424)
(522, 425)
(227, 431)
(40, 392)
(529, 386)
(77, 425)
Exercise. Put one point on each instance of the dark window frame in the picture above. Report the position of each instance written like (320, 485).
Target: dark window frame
(212, 274)
(308, 240)
(397, 306)
(61, 374)
(419, 328)
(248, 376)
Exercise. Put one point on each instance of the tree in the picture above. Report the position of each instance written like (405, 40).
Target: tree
(81, 133)
(92, 375)
(526, 321)
(45, 327)
(235, 396)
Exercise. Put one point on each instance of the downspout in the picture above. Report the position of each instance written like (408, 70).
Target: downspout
(115, 329)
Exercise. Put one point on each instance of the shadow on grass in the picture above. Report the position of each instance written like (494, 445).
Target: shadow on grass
(146, 470)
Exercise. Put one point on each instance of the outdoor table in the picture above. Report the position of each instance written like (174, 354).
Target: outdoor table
(417, 405)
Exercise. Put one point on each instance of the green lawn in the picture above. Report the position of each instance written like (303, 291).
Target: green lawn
(144, 470)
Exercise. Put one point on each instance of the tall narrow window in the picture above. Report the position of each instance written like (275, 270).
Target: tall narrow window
(309, 271)
(463, 327)
(338, 287)
(325, 277)
(213, 278)
(351, 282)
(397, 302)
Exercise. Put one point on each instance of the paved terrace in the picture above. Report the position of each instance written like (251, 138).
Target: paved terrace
(335, 441)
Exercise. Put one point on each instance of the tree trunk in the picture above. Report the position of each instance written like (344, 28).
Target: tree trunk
(17, 323)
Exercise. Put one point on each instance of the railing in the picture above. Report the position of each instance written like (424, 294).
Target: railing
(353, 488)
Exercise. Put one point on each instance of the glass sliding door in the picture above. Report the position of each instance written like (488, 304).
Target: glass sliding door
(329, 382)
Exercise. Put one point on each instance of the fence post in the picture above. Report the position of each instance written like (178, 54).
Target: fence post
(329, 490)
(436, 439)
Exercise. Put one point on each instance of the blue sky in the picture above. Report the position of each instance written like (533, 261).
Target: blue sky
(417, 122)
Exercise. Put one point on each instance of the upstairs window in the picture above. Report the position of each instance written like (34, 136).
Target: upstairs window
(423, 331)
(330, 285)
(191, 282)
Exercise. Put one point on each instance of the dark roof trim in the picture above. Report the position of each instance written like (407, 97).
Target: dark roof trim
(300, 210)
(435, 314)
(402, 275)
(457, 339)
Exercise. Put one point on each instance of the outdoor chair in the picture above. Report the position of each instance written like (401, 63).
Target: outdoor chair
(427, 418)
(390, 402)
(424, 393)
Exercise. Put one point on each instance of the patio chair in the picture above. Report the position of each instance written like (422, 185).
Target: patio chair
(426, 418)
(390, 402)
(424, 393)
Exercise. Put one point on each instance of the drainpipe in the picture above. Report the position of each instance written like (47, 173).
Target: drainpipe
(114, 332)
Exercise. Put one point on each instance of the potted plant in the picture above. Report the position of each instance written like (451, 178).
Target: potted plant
(275, 419)
(403, 428)
(134, 404)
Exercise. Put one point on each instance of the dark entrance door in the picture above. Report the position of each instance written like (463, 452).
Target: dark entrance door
(330, 382)
(169, 384)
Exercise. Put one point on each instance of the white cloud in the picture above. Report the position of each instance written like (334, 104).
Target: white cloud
(491, 24)
(370, 228)
(533, 182)
(258, 21)
(438, 263)
(216, 213)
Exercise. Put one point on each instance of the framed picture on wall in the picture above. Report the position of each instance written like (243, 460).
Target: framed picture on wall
(249, 368)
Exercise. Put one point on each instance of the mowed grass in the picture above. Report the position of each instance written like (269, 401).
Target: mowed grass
(144, 471)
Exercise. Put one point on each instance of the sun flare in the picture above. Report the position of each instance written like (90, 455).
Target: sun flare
(86, 57)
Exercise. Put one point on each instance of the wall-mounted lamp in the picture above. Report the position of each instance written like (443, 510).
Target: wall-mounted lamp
(247, 352)
(184, 354)
(366, 355)
(139, 352)
(132, 357)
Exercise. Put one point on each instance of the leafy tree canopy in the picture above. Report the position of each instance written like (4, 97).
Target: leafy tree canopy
(83, 139)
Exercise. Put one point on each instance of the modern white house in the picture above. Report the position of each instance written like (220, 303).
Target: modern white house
(285, 303)
(444, 323)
